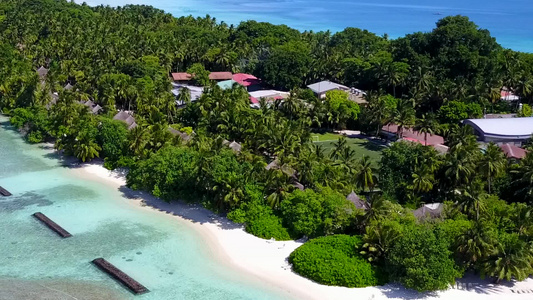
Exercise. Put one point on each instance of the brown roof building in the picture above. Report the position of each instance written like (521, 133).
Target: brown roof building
(220, 76)
(512, 151)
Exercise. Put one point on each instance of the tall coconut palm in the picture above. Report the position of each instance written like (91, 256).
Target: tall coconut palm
(524, 177)
(476, 244)
(422, 180)
(404, 116)
(425, 125)
(511, 259)
(366, 178)
(492, 163)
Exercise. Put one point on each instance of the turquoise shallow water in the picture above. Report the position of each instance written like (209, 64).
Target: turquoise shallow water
(161, 253)
(510, 21)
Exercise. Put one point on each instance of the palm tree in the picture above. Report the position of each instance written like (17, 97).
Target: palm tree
(492, 163)
(475, 244)
(524, 177)
(404, 116)
(422, 180)
(425, 125)
(366, 178)
(511, 259)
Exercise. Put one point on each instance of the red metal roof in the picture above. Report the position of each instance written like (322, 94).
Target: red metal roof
(415, 135)
(181, 76)
(245, 79)
(220, 76)
(254, 100)
(512, 151)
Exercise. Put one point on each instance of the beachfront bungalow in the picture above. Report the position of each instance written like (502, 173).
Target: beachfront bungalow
(505, 130)
(357, 201)
(429, 211)
(126, 117)
(513, 152)
(250, 82)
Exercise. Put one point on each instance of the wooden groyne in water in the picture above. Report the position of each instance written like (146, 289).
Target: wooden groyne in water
(4, 192)
(122, 277)
(52, 225)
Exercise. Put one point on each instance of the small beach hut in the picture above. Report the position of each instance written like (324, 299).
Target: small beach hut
(236, 147)
(127, 118)
(429, 211)
(42, 72)
(357, 201)
(184, 137)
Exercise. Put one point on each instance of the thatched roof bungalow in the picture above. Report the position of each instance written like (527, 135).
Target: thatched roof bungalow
(357, 201)
(429, 211)
(127, 118)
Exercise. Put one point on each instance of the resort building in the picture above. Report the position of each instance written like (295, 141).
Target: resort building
(321, 88)
(226, 84)
(184, 137)
(220, 76)
(93, 107)
(42, 72)
(183, 77)
(391, 131)
(429, 211)
(507, 95)
(195, 92)
(513, 152)
(357, 201)
(503, 130)
(268, 95)
(250, 82)
(127, 118)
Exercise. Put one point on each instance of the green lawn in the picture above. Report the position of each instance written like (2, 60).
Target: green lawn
(361, 146)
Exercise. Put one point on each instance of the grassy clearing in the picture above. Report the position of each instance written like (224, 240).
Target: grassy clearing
(361, 146)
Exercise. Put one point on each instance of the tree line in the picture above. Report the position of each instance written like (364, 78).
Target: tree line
(280, 184)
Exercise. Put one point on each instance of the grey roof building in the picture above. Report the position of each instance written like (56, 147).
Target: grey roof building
(502, 130)
(127, 118)
(42, 72)
(184, 137)
(68, 87)
(358, 202)
(431, 211)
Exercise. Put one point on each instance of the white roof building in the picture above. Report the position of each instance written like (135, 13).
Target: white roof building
(323, 87)
(504, 130)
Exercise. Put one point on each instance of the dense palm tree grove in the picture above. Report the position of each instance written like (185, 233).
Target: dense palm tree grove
(280, 184)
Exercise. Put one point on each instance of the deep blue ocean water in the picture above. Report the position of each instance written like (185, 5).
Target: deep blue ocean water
(510, 21)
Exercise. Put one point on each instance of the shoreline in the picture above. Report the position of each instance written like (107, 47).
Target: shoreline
(263, 262)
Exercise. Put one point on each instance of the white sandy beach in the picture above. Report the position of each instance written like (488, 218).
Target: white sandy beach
(266, 261)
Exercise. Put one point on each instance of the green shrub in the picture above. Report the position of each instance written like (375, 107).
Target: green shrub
(422, 261)
(334, 260)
